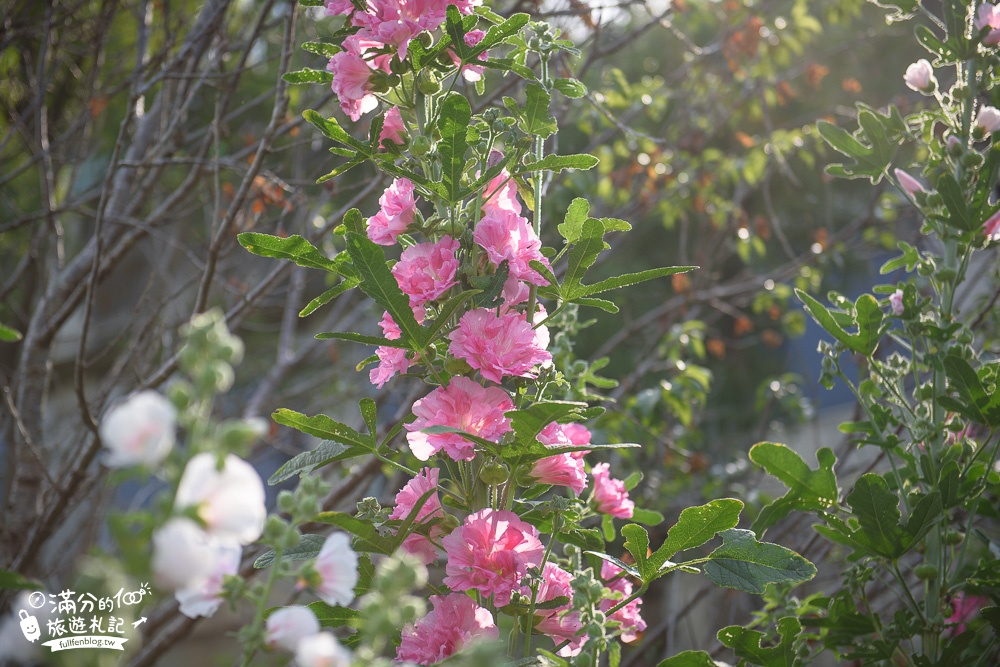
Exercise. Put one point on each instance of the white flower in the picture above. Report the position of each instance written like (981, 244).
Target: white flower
(988, 119)
(230, 501)
(287, 626)
(337, 567)
(183, 554)
(139, 431)
(321, 650)
(920, 77)
(202, 598)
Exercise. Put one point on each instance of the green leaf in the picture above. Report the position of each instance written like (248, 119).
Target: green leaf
(363, 339)
(455, 114)
(977, 403)
(582, 256)
(311, 3)
(326, 452)
(581, 161)
(868, 317)
(334, 617)
(689, 659)
(637, 544)
(369, 539)
(814, 490)
(322, 49)
(344, 285)
(308, 75)
(877, 511)
(12, 581)
(647, 517)
(746, 644)
(508, 65)
(294, 248)
(572, 225)
(308, 547)
(745, 564)
(926, 512)
(378, 282)
(8, 335)
(957, 204)
(321, 426)
(620, 564)
(629, 279)
(490, 297)
(369, 412)
(529, 422)
(536, 120)
(884, 134)
(603, 304)
(697, 525)
(570, 88)
(332, 130)
(501, 33)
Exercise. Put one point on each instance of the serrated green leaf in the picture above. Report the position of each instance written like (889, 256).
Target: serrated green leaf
(582, 256)
(8, 335)
(326, 297)
(603, 304)
(689, 659)
(491, 297)
(868, 317)
(326, 452)
(977, 404)
(536, 121)
(629, 279)
(814, 490)
(570, 88)
(620, 564)
(637, 544)
(581, 161)
(529, 422)
(572, 225)
(455, 114)
(508, 65)
(498, 34)
(332, 130)
(334, 617)
(322, 49)
(746, 644)
(363, 339)
(308, 75)
(369, 412)
(308, 547)
(12, 581)
(745, 564)
(321, 426)
(877, 511)
(368, 536)
(696, 526)
(294, 248)
(647, 517)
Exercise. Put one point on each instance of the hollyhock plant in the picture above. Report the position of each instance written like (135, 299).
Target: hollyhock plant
(415, 543)
(139, 430)
(230, 499)
(491, 552)
(204, 597)
(610, 495)
(462, 404)
(289, 625)
(505, 235)
(398, 208)
(427, 270)
(337, 568)
(561, 469)
(628, 616)
(560, 623)
(499, 346)
(454, 621)
(393, 129)
(321, 650)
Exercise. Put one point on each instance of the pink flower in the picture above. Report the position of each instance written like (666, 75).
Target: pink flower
(393, 129)
(992, 227)
(229, 500)
(578, 434)
(454, 622)
(988, 16)
(628, 616)
(338, 7)
(500, 194)
(288, 625)
(499, 346)
(610, 494)
(561, 469)
(351, 84)
(462, 404)
(415, 543)
(964, 609)
(909, 184)
(491, 552)
(896, 302)
(398, 206)
(988, 119)
(470, 73)
(920, 77)
(427, 270)
(392, 360)
(560, 623)
(337, 567)
(505, 235)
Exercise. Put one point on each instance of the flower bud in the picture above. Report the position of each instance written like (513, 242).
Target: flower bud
(494, 473)
(427, 82)
(920, 77)
(420, 145)
(925, 571)
(909, 184)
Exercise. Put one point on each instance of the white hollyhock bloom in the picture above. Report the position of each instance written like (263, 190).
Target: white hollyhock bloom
(988, 119)
(202, 598)
(287, 626)
(139, 430)
(183, 554)
(230, 501)
(321, 650)
(337, 567)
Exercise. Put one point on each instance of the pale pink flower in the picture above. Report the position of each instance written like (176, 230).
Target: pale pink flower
(229, 500)
(398, 206)
(499, 346)
(427, 270)
(416, 544)
(988, 16)
(561, 469)
(338, 7)
(491, 552)
(454, 622)
(393, 129)
(609, 494)
(896, 302)
(628, 616)
(505, 235)
(337, 567)
(988, 119)
(392, 360)
(462, 404)
(578, 435)
(560, 623)
(964, 609)
(909, 184)
(321, 650)
(203, 598)
(470, 73)
(992, 227)
(288, 625)
(500, 194)
(351, 83)
(920, 77)
(139, 431)
(183, 554)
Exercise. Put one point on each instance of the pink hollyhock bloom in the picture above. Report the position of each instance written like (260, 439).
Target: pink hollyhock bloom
(398, 207)
(393, 129)
(560, 623)
(470, 73)
(988, 119)
(203, 598)
(504, 235)
(992, 227)
(427, 270)
(392, 360)
(578, 435)
(454, 622)
(415, 543)
(920, 77)
(561, 469)
(499, 346)
(610, 494)
(338, 7)
(139, 431)
(964, 609)
(896, 302)
(289, 625)
(988, 16)
(229, 500)
(628, 616)
(321, 650)
(350, 83)
(500, 194)
(462, 404)
(337, 567)
(491, 552)
(909, 184)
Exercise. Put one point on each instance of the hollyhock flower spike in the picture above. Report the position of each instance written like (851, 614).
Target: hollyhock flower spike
(462, 404)
(321, 650)
(289, 625)
(398, 210)
(204, 597)
(609, 494)
(499, 346)
(920, 77)
(988, 17)
(909, 184)
(415, 543)
(337, 567)
(454, 622)
(229, 500)
(139, 431)
(491, 552)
